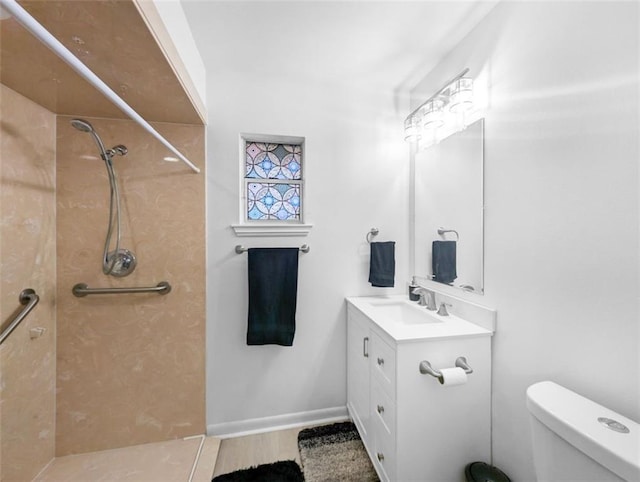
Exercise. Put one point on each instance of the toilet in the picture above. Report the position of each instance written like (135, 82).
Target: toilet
(576, 439)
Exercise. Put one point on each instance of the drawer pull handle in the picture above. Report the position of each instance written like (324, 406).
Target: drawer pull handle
(380, 456)
(365, 347)
(380, 409)
(381, 361)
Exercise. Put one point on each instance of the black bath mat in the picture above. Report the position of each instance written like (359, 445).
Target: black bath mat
(334, 453)
(285, 471)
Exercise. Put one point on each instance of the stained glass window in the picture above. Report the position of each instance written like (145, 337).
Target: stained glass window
(273, 181)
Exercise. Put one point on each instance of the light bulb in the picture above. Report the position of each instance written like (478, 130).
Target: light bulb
(433, 114)
(461, 95)
(412, 129)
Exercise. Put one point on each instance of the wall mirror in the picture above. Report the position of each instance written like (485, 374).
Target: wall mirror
(449, 198)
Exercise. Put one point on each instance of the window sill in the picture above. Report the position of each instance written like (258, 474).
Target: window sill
(247, 230)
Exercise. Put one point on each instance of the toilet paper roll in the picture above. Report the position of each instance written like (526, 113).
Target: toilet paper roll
(453, 376)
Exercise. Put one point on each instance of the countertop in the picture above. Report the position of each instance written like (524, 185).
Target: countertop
(440, 327)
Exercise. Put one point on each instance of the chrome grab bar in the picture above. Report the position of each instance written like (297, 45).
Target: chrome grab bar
(426, 368)
(81, 289)
(29, 299)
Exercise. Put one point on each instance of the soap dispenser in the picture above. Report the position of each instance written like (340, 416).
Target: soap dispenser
(413, 285)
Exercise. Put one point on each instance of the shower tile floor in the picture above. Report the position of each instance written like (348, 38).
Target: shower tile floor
(170, 461)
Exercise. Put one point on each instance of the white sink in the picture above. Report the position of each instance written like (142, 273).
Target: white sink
(400, 311)
(405, 320)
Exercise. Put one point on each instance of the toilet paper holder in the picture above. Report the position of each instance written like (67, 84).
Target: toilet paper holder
(427, 369)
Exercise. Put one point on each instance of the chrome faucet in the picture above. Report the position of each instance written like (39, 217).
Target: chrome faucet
(427, 298)
(442, 311)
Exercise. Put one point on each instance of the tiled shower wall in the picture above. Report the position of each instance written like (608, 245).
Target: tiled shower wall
(27, 260)
(130, 366)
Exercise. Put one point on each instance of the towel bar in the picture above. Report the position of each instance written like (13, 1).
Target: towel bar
(241, 249)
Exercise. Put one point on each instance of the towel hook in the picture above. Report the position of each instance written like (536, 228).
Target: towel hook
(442, 231)
(372, 232)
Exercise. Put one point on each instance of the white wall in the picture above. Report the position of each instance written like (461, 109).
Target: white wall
(561, 191)
(357, 178)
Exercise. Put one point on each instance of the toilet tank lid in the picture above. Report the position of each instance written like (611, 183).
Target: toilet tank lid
(575, 419)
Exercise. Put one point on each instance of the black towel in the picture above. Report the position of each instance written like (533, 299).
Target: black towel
(382, 266)
(443, 261)
(273, 287)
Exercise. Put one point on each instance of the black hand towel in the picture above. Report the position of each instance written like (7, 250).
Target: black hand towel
(273, 287)
(382, 266)
(443, 261)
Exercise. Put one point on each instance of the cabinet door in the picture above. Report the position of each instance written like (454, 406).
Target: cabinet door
(358, 371)
(441, 428)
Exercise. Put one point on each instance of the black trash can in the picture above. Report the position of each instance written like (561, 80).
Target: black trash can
(481, 472)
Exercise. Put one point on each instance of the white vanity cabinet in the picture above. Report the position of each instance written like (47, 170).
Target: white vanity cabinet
(413, 427)
(358, 353)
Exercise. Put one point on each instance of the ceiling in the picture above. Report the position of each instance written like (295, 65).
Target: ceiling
(373, 44)
(113, 40)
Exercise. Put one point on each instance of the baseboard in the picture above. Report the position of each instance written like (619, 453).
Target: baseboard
(278, 422)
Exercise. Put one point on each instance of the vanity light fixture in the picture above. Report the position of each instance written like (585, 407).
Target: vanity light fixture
(442, 108)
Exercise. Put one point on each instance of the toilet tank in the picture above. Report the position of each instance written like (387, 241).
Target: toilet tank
(571, 444)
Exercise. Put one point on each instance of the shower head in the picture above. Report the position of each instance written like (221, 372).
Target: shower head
(106, 154)
(82, 125)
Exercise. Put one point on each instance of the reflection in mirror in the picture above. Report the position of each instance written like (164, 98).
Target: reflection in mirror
(449, 210)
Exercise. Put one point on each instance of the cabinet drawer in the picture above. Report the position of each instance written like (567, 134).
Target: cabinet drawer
(384, 364)
(383, 408)
(384, 451)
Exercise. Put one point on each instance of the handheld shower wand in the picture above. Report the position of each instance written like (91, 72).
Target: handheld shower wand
(118, 262)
